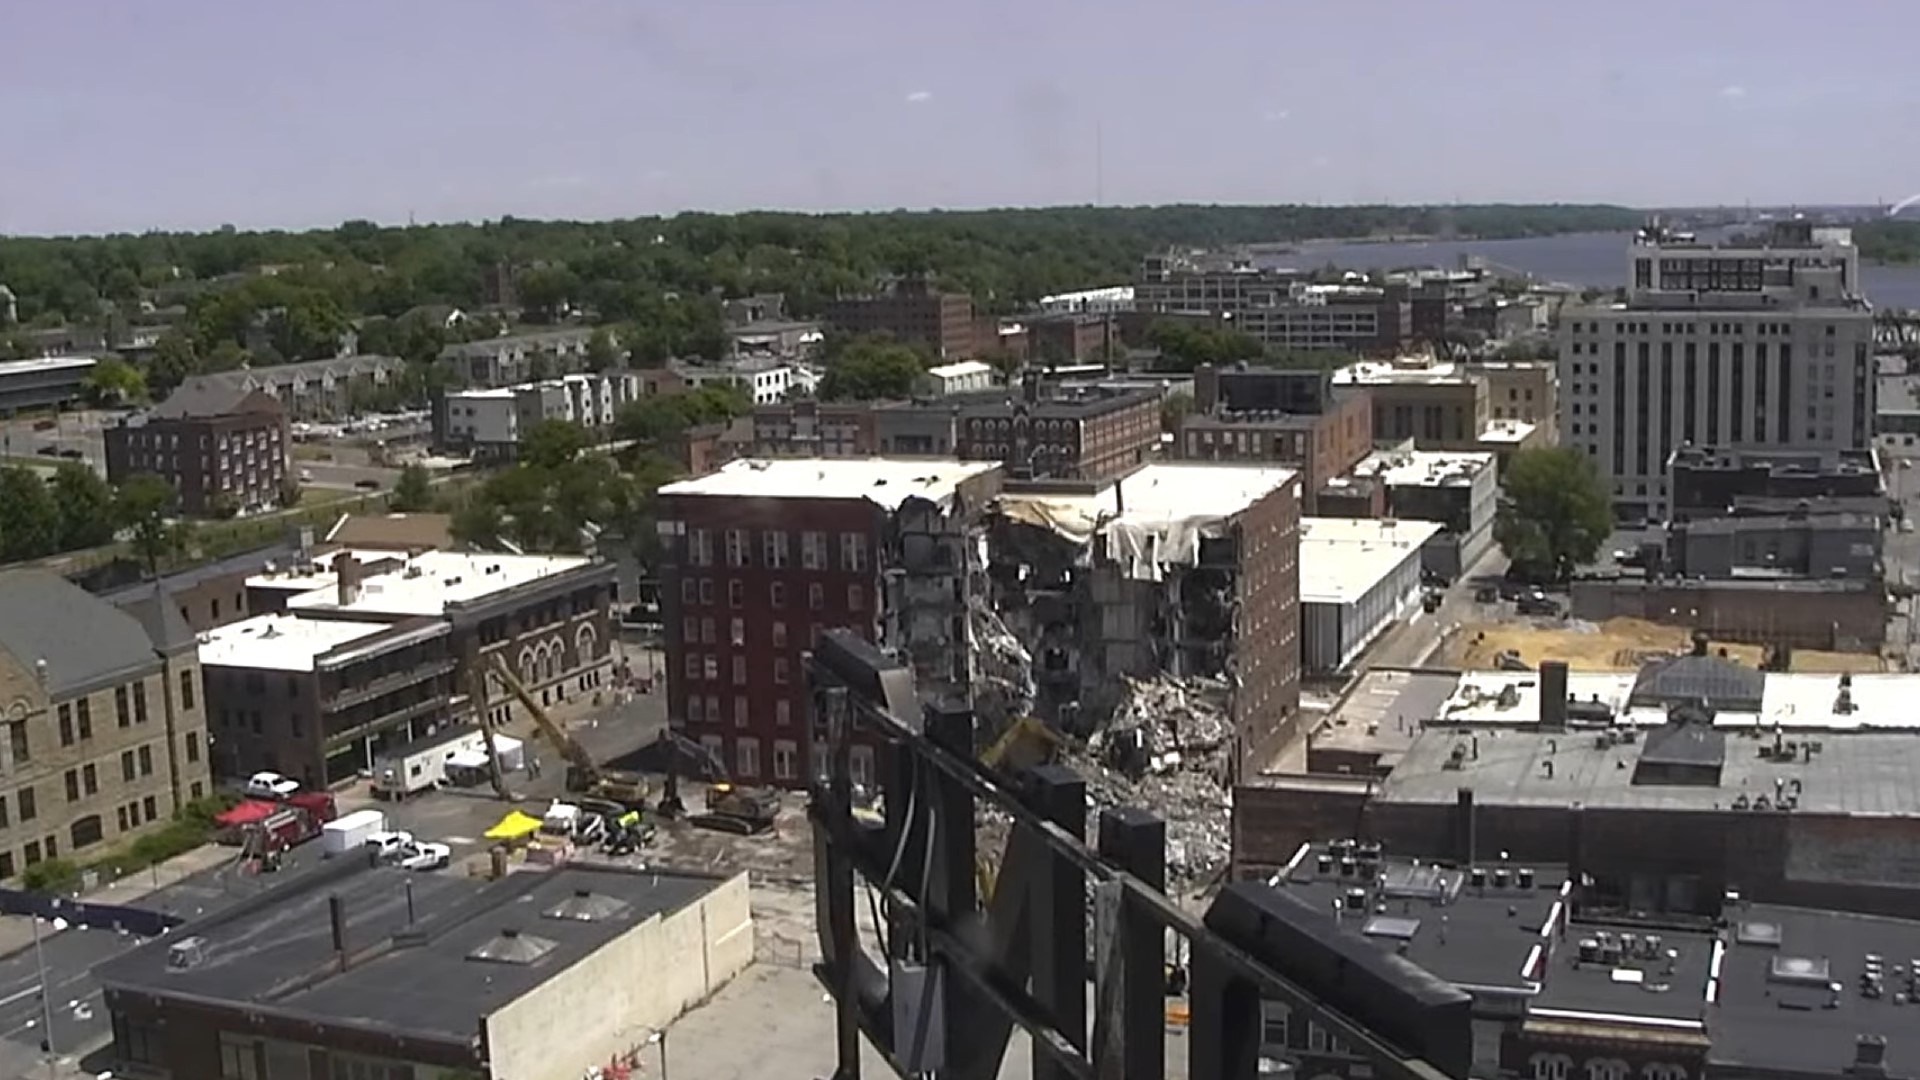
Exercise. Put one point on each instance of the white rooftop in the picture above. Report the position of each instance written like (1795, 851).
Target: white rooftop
(427, 583)
(1424, 468)
(281, 642)
(960, 369)
(1506, 431)
(1791, 701)
(888, 482)
(44, 364)
(1403, 370)
(501, 392)
(298, 578)
(1342, 558)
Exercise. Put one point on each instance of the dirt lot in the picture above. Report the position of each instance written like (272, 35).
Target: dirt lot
(1615, 645)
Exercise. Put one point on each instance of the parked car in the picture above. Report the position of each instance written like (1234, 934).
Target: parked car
(422, 855)
(390, 842)
(368, 484)
(48, 450)
(72, 454)
(271, 785)
(1537, 603)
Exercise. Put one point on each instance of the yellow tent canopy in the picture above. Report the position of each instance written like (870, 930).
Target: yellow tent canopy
(514, 826)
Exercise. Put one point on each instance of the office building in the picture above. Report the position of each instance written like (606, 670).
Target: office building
(1439, 406)
(1279, 416)
(765, 554)
(960, 377)
(1750, 345)
(1357, 579)
(1277, 307)
(43, 383)
(362, 971)
(1458, 491)
(351, 653)
(105, 719)
(221, 447)
(1047, 432)
(518, 358)
(488, 424)
(330, 389)
(944, 324)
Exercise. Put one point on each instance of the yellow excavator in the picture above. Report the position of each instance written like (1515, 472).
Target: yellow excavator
(585, 776)
(1026, 742)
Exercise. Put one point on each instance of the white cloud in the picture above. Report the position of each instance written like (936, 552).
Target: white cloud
(1734, 92)
(919, 97)
(1274, 116)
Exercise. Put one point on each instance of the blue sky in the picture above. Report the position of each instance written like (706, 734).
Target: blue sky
(137, 114)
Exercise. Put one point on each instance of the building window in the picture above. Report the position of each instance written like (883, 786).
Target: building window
(779, 635)
(786, 756)
(736, 547)
(690, 630)
(736, 593)
(120, 707)
(1606, 1069)
(710, 668)
(856, 598)
(28, 809)
(186, 689)
(699, 547)
(140, 701)
(73, 785)
(32, 852)
(853, 552)
(816, 596)
(740, 712)
(689, 590)
(715, 745)
(694, 715)
(780, 671)
(773, 547)
(777, 594)
(66, 725)
(737, 631)
(85, 831)
(782, 713)
(17, 742)
(150, 807)
(83, 717)
(1549, 1066)
(89, 780)
(739, 670)
(813, 551)
(239, 1058)
(693, 665)
(1273, 1023)
(747, 758)
(708, 635)
(146, 761)
(706, 590)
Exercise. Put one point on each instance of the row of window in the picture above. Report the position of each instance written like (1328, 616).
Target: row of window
(708, 711)
(83, 833)
(738, 548)
(706, 666)
(1545, 1066)
(746, 756)
(701, 591)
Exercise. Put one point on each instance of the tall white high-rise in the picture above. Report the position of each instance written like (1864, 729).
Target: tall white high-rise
(1748, 345)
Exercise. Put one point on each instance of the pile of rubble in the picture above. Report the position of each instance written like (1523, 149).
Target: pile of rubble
(1003, 685)
(1168, 748)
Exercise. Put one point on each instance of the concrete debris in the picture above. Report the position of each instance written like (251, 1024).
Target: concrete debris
(1003, 686)
(1163, 725)
(1168, 749)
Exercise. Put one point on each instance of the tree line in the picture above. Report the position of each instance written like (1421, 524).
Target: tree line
(76, 509)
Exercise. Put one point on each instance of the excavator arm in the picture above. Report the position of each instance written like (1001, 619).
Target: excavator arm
(568, 746)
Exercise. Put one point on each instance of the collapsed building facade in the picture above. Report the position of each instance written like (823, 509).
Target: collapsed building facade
(1180, 571)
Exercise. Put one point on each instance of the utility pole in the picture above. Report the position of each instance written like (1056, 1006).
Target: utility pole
(46, 1002)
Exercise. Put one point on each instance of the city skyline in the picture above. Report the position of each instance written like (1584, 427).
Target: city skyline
(209, 112)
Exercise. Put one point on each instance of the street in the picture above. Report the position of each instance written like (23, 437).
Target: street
(458, 818)
(1902, 554)
(1414, 641)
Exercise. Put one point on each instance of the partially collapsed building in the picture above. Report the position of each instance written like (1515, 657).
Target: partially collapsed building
(1179, 570)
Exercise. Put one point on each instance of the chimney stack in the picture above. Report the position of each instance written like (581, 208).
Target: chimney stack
(1553, 695)
(337, 920)
(1466, 826)
(348, 573)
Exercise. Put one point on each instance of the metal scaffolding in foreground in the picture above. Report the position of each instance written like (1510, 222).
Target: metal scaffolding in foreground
(951, 976)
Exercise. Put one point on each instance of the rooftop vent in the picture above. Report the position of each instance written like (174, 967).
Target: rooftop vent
(585, 906)
(510, 946)
(1812, 971)
(1394, 927)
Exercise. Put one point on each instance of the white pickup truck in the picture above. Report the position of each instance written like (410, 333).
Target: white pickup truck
(402, 850)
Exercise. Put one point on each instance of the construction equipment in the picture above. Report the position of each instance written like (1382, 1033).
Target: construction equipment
(1025, 743)
(743, 811)
(584, 775)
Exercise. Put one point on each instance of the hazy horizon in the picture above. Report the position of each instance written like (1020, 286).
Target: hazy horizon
(132, 117)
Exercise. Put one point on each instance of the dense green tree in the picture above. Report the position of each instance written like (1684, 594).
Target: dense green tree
(143, 505)
(1185, 345)
(174, 358)
(413, 491)
(83, 506)
(1554, 514)
(554, 444)
(1174, 408)
(660, 418)
(113, 381)
(602, 353)
(871, 369)
(29, 520)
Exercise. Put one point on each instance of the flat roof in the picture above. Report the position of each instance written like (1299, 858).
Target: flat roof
(1786, 1025)
(1506, 431)
(1663, 974)
(1342, 559)
(293, 574)
(1404, 370)
(275, 953)
(887, 482)
(44, 364)
(426, 583)
(281, 642)
(1382, 712)
(1157, 495)
(1475, 938)
(959, 368)
(1424, 468)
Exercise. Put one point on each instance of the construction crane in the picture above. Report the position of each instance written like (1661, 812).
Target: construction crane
(477, 695)
(584, 774)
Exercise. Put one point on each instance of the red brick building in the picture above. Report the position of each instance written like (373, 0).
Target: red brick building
(915, 312)
(764, 555)
(1091, 435)
(221, 448)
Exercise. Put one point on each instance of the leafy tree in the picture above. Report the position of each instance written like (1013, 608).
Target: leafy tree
(1186, 345)
(1555, 512)
(142, 507)
(83, 505)
(29, 520)
(554, 444)
(664, 417)
(602, 352)
(871, 369)
(174, 358)
(1174, 408)
(113, 381)
(413, 491)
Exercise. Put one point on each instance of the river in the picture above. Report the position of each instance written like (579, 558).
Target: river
(1597, 259)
